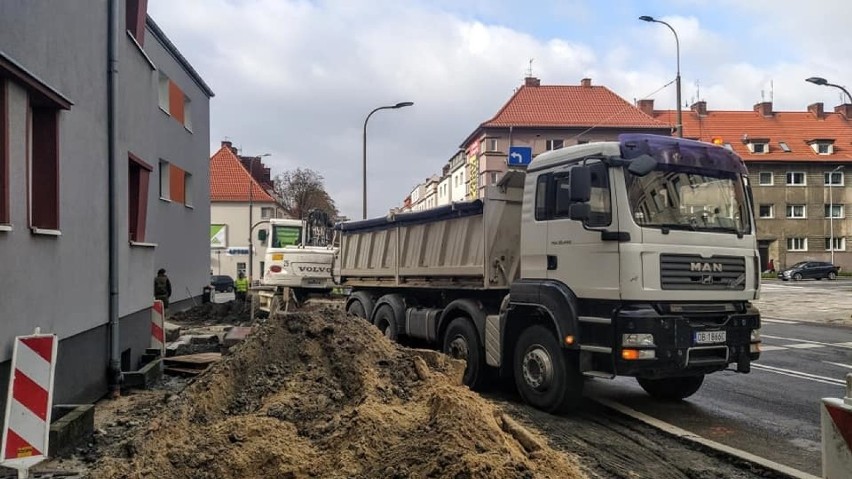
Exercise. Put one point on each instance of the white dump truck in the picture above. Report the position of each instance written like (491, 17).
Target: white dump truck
(634, 257)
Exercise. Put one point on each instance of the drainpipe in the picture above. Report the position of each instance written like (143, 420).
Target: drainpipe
(115, 377)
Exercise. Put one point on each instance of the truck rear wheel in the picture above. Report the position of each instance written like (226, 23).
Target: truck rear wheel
(547, 376)
(671, 389)
(384, 320)
(462, 342)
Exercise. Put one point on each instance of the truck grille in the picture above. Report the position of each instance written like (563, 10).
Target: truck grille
(687, 271)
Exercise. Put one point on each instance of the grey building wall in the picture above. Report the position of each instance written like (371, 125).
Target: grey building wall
(61, 283)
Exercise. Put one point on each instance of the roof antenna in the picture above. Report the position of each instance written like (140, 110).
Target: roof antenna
(762, 95)
(529, 70)
(771, 90)
(697, 90)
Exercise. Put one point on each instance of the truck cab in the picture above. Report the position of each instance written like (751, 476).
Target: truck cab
(298, 256)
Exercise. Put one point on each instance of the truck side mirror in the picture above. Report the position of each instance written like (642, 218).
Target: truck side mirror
(580, 189)
(262, 235)
(642, 165)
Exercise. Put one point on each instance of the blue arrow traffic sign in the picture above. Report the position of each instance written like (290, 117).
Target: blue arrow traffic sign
(519, 156)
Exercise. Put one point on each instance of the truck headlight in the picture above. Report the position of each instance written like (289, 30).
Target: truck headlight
(638, 340)
(755, 335)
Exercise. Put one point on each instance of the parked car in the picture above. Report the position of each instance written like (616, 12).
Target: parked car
(222, 283)
(810, 269)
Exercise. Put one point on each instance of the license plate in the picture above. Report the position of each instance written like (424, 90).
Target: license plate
(710, 337)
(313, 281)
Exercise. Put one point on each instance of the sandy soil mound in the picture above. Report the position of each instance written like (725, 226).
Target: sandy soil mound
(325, 395)
(232, 312)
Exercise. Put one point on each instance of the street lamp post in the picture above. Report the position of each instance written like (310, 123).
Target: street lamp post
(251, 211)
(831, 211)
(646, 18)
(364, 183)
(823, 82)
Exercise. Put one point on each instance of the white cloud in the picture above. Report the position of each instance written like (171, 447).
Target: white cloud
(296, 78)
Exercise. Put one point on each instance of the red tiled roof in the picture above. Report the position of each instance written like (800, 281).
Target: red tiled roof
(795, 128)
(570, 106)
(229, 181)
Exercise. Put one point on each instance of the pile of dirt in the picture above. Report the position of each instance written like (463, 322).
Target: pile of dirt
(232, 313)
(325, 395)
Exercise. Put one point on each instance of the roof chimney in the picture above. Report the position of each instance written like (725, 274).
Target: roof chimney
(586, 82)
(845, 110)
(699, 107)
(764, 108)
(816, 110)
(646, 106)
(532, 81)
(227, 143)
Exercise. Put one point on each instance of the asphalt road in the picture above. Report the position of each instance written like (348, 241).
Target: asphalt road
(773, 411)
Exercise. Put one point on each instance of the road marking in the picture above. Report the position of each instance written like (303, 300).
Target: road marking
(847, 345)
(778, 287)
(765, 348)
(847, 366)
(692, 437)
(805, 346)
(779, 321)
(799, 374)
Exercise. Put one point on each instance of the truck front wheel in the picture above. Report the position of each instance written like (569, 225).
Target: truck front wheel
(547, 376)
(462, 342)
(671, 389)
(384, 320)
(355, 308)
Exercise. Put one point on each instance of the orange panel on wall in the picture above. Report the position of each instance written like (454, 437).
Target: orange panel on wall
(176, 188)
(176, 102)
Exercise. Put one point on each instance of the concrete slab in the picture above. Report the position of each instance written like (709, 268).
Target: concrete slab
(73, 428)
(235, 336)
(173, 331)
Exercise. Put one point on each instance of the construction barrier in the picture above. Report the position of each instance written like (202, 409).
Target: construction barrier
(29, 402)
(836, 422)
(158, 329)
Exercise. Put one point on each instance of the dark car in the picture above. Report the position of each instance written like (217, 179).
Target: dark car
(810, 269)
(222, 283)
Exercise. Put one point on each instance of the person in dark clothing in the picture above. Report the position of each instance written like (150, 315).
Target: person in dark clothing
(162, 288)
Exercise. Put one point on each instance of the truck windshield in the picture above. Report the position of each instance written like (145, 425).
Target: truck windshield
(286, 236)
(685, 198)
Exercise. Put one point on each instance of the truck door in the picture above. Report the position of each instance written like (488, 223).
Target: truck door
(578, 254)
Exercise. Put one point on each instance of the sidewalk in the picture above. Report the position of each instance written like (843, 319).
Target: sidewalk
(811, 303)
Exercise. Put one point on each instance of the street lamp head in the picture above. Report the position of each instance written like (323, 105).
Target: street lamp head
(404, 104)
(839, 167)
(817, 80)
(646, 18)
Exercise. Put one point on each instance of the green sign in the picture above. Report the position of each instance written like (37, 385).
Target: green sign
(218, 236)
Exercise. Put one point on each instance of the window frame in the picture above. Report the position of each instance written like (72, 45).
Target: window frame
(771, 178)
(791, 241)
(787, 178)
(828, 178)
(550, 144)
(791, 209)
(5, 196)
(163, 175)
(137, 195)
(163, 92)
(837, 239)
(829, 214)
(771, 211)
(43, 164)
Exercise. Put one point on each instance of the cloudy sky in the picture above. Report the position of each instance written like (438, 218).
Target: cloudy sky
(296, 78)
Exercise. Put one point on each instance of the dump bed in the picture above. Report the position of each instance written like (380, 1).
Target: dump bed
(471, 245)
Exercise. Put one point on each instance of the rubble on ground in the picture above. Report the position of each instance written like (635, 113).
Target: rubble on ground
(231, 313)
(321, 394)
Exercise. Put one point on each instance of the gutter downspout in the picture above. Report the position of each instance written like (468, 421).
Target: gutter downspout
(115, 377)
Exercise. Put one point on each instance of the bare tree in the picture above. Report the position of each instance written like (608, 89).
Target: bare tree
(301, 191)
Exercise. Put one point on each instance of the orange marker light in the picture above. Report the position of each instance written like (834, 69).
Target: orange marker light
(630, 354)
(569, 339)
(717, 140)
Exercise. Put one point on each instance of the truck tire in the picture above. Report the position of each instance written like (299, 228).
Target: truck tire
(547, 377)
(671, 389)
(462, 342)
(383, 319)
(355, 308)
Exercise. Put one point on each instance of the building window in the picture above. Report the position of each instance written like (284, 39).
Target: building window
(187, 113)
(795, 178)
(834, 178)
(554, 144)
(834, 211)
(135, 19)
(187, 188)
(495, 177)
(767, 211)
(164, 180)
(765, 178)
(177, 185)
(759, 148)
(839, 244)
(797, 244)
(44, 168)
(796, 211)
(267, 212)
(4, 155)
(822, 147)
(138, 176)
(163, 91)
(488, 144)
(784, 146)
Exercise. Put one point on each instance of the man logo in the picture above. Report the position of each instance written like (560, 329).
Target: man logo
(705, 267)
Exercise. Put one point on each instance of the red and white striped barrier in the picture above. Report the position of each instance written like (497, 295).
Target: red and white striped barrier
(836, 421)
(158, 331)
(29, 402)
